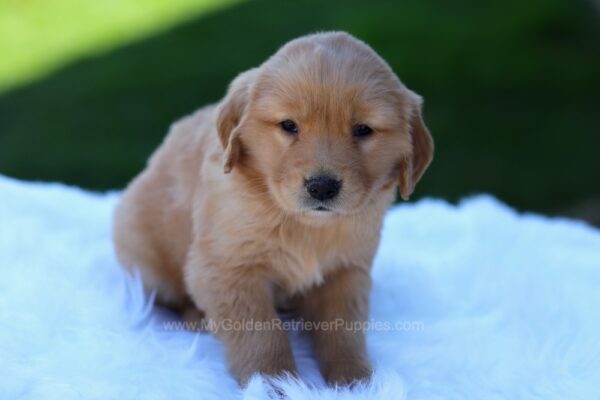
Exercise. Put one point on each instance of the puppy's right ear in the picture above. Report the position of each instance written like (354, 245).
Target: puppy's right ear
(230, 117)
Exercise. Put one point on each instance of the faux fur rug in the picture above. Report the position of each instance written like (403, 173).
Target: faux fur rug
(469, 301)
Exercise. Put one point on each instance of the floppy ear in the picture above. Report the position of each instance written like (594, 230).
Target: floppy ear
(230, 115)
(414, 166)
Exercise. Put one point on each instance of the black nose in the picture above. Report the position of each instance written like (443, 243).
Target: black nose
(323, 187)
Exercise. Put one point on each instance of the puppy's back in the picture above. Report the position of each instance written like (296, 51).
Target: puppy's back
(152, 223)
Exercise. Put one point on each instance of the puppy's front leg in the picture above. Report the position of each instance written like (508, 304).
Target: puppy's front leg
(339, 308)
(239, 305)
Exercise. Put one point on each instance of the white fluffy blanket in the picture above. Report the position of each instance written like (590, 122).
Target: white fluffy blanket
(469, 301)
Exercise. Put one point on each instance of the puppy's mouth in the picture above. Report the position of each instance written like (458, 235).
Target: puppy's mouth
(319, 212)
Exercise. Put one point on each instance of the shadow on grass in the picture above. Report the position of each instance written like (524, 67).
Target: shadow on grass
(512, 92)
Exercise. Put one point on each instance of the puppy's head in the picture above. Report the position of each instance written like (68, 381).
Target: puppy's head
(325, 126)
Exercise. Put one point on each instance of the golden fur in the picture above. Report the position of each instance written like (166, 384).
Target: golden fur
(220, 221)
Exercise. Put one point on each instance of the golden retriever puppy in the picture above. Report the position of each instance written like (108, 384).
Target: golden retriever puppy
(277, 195)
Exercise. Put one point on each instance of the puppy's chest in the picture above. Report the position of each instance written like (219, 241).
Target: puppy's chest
(301, 260)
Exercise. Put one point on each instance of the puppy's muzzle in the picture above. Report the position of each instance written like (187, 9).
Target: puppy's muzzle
(323, 187)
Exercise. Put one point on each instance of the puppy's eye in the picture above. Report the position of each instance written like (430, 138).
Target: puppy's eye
(361, 130)
(289, 126)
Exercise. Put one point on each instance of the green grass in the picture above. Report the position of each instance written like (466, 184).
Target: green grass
(39, 36)
(512, 91)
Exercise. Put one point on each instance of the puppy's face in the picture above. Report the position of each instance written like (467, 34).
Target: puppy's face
(327, 126)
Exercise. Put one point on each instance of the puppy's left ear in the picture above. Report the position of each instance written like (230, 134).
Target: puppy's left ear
(413, 167)
(230, 116)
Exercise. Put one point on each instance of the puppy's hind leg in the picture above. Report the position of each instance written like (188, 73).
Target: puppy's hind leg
(138, 253)
(194, 319)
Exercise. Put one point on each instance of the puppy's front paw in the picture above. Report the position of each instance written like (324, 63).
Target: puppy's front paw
(347, 372)
(272, 370)
(269, 362)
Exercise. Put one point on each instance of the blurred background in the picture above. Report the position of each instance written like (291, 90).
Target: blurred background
(88, 88)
